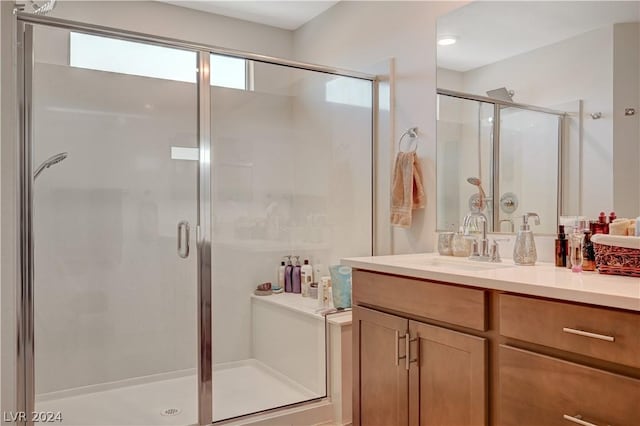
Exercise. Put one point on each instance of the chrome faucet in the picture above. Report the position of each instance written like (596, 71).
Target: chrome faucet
(481, 245)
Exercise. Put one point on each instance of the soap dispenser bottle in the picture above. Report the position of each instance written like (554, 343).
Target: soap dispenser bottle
(524, 250)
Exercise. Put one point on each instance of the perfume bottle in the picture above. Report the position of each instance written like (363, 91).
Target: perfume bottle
(588, 253)
(562, 247)
(576, 255)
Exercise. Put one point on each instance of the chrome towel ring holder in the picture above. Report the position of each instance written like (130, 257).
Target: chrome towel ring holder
(412, 132)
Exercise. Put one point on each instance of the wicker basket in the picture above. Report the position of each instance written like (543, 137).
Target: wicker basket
(617, 257)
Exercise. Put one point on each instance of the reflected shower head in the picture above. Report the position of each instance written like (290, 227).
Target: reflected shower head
(476, 182)
(54, 159)
(502, 94)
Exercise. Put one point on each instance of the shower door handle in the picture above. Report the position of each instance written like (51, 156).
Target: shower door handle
(183, 239)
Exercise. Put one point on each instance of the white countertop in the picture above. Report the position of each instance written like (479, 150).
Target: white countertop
(543, 279)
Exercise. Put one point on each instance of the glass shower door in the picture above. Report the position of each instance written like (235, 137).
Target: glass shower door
(115, 258)
(464, 150)
(292, 155)
(529, 143)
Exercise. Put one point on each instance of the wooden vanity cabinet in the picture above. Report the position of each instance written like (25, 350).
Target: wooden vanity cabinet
(536, 389)
(432, 353)
(407, 372)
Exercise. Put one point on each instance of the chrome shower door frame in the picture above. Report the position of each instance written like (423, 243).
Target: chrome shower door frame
(25, 312)
(25, 388)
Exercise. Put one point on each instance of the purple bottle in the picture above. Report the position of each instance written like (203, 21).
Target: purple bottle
(296, 279)
(288, 275)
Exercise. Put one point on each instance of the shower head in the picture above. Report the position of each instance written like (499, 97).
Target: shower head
(39, 7)
(502, 94)
(477, 182)
(474, 181)
(54, 159)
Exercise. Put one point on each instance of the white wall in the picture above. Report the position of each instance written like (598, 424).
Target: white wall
(151, 17)
(359, 35)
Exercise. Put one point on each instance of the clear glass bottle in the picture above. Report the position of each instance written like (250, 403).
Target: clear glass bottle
(575, 249)
(460, 246)
(445, 241)
(524, 248)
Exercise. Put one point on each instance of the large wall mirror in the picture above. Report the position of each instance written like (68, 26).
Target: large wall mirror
(538, 106)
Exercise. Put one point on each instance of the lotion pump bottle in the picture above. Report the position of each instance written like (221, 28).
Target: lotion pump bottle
(524, 250)
(306, 276)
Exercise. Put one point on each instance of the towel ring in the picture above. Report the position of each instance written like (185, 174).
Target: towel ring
(412, 132)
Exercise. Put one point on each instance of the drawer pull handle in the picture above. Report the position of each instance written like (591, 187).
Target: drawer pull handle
(407, 344)
(578, 419)
(398, 337)
(408, 359)
(588, 334)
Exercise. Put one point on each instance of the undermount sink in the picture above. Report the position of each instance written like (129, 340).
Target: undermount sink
(464, 264)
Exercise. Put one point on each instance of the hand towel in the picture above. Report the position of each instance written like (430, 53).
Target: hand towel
(407, 191)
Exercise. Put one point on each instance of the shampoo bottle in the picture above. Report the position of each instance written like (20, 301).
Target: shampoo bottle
(296, 277)
(306, 275)
(288, 276)
(279, 287)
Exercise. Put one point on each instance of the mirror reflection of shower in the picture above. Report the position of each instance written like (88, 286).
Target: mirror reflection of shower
(482, 196)
(51, 161)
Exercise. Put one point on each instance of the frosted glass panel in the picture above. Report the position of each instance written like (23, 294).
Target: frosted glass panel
(127, 57)
(145, 60)
(292, 176)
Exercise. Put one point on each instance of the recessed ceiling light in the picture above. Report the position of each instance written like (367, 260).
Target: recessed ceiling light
(447, 40)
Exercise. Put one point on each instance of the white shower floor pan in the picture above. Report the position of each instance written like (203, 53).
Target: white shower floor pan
(240, 388)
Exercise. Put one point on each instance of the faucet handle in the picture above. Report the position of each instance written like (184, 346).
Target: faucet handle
(494, 251)
(474, 249)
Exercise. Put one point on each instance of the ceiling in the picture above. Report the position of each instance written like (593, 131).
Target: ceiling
(492, 31)
(288, 15)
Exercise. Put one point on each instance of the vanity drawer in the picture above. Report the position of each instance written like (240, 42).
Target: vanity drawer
(540, 390)
(596, 332)
(456, 305)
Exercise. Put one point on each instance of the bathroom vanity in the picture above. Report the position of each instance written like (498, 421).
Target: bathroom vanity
(443, 341)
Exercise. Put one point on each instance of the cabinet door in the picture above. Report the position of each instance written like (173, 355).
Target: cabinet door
(447, 377)
(380, 376)
(541, 390)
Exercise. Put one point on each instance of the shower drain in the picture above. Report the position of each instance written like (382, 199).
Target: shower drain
(170, 412)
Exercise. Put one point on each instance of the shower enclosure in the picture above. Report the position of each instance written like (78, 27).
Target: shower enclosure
(190, 172)
(513, 151)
